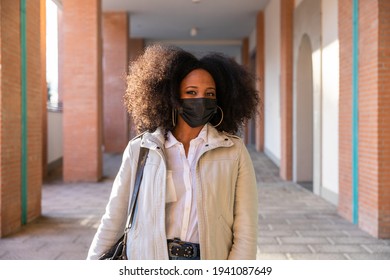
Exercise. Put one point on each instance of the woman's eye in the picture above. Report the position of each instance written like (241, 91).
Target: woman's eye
(210, 93)
(192, 92)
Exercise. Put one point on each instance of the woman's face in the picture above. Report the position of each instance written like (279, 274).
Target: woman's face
(198, 84)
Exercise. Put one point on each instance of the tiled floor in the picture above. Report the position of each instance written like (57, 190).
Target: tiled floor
(293, 222)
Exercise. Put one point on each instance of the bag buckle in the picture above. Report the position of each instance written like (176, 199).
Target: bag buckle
(178, 248)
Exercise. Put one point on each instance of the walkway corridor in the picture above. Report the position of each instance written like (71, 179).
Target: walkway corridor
(293, 222)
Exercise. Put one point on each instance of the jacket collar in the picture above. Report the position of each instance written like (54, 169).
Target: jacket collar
(215, 139)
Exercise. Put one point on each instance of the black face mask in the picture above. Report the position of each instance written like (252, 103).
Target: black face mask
(197, 111)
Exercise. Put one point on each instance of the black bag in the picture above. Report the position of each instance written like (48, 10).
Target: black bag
(118, 250)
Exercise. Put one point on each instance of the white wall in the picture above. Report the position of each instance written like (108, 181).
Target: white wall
(297, 2)
(330, 96)
(252, 41)
(272, 81)
(307, 22)
(54, 136)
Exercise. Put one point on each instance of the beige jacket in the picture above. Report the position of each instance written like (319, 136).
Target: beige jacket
(226, 201)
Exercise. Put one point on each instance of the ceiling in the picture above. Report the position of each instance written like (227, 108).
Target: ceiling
(221, 24)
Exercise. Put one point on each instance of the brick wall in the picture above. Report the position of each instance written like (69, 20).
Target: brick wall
(286, 58)
(384, 118)
(136, 47)
(260, 79)
(374, 115)
(82, 95)
(374, 136)
(245, 63)
(43, 86)
(115, 50)
(345, 109)
(34, 110)
(10, 117)
(368, 116)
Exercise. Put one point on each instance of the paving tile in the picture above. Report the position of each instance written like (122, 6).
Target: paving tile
(21, 254)
(325, 233)
(271, 256)
(266, 240)
(318, 256)
(72, 256)
(284, 249)
(378, 248)
(357, 240)
(366, 256)
(274, 233)
(293, 222)
(297, 227)
(338, 248)
(304, 240)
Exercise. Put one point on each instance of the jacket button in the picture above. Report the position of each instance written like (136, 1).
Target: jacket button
(207, 145)
(226, 139)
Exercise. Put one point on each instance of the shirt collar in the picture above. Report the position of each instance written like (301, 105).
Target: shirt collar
(171, 141)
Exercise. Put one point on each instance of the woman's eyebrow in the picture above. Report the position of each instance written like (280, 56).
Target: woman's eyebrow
(197, 87)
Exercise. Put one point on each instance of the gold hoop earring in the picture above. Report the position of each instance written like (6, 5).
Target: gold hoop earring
(221, 118)
(173, 117)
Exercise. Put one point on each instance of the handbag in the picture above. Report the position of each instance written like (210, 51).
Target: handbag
(118, 250)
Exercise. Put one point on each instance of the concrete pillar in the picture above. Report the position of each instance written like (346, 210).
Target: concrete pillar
(260, 79)
(61, 61)
(115, 49)
(286, 91)
(82, 90)
(20, 91)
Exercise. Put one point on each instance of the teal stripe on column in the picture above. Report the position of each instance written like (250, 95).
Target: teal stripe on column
(355, 113)
(23, 50)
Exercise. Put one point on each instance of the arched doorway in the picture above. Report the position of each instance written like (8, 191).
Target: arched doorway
(303, 117)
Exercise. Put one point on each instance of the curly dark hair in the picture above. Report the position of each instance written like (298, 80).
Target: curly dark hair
(153, 88)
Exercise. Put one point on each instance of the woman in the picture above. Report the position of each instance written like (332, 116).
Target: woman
(198, 190)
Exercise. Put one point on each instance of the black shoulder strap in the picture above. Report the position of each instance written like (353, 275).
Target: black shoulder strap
(143, 153)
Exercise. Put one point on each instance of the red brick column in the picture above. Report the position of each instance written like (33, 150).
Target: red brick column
(82, 80)
(345, 109)
(260, 77)
(34, 109)
(10, 117)
(136, 47)
(43, 87)
(11, 114)
(245, 63)
(286, 77)
(384, 119)
(374, 117)
(115, 48)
